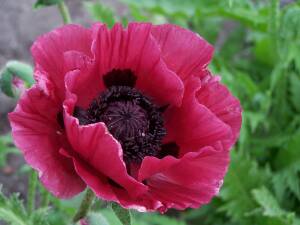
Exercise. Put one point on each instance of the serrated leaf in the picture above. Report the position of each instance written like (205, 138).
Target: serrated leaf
(287, 165)
(12, 210)
(290, 24)
(39, 216)
(265, 199)
(123, 214)
(44, 3)
(9, 217)
(243, 176)
(271, 207)
(290, 154)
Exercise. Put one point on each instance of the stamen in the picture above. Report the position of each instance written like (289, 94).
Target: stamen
(131, 118)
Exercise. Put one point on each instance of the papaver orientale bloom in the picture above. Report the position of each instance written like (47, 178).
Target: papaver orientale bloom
(131, 113)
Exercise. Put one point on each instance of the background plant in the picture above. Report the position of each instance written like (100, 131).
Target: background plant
(257, 54)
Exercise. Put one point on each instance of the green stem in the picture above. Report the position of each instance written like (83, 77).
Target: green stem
(274, 23)
(64, 11)
(84, 206)
(31, 191)
(45, 198)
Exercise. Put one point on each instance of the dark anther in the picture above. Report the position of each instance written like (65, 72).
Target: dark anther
(169, 149)
(119, 78)
(82, 115)
(130, 117)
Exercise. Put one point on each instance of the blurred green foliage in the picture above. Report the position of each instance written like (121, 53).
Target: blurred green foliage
(6, 147)
(257, 54)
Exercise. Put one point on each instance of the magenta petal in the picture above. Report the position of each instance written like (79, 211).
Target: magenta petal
(102, 152)
(103, 189)
(48, 52)
(223, 104)
(95, 180)
(185, 52)
(37, 134)
(74, 60)
(83, 79)
(101, 186)
(134, 48)
(190, 181)
(193, 126)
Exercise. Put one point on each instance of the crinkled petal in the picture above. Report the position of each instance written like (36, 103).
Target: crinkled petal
(48, 52)
(84, 81)
(193, 126)
(37, 134)
(190, 181)
(134, 48)
(100, 150)
(103, 188)
(185, 52)
(223, 104)
(95, 180)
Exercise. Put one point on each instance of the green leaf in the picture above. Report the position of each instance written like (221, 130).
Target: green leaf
(271, 207)
(249, 18)
(100, 13)
(96, 219)
(295, 91)
(264, 51)
(44, 3)
(266, 200)
(40, 216)
(287, 164)
(123, 214)
(155, 219)
(289, 155)
(243, 176)
(6, 147)
(137, 13)
(12, 211)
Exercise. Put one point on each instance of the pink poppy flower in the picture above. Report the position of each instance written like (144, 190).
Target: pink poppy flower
(132, 113)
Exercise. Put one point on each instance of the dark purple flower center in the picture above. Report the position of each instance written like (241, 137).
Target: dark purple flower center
(130, 117)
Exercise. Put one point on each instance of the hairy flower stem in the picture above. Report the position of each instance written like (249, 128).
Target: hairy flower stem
(84, 206)
(32, 183)
(64, 11)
